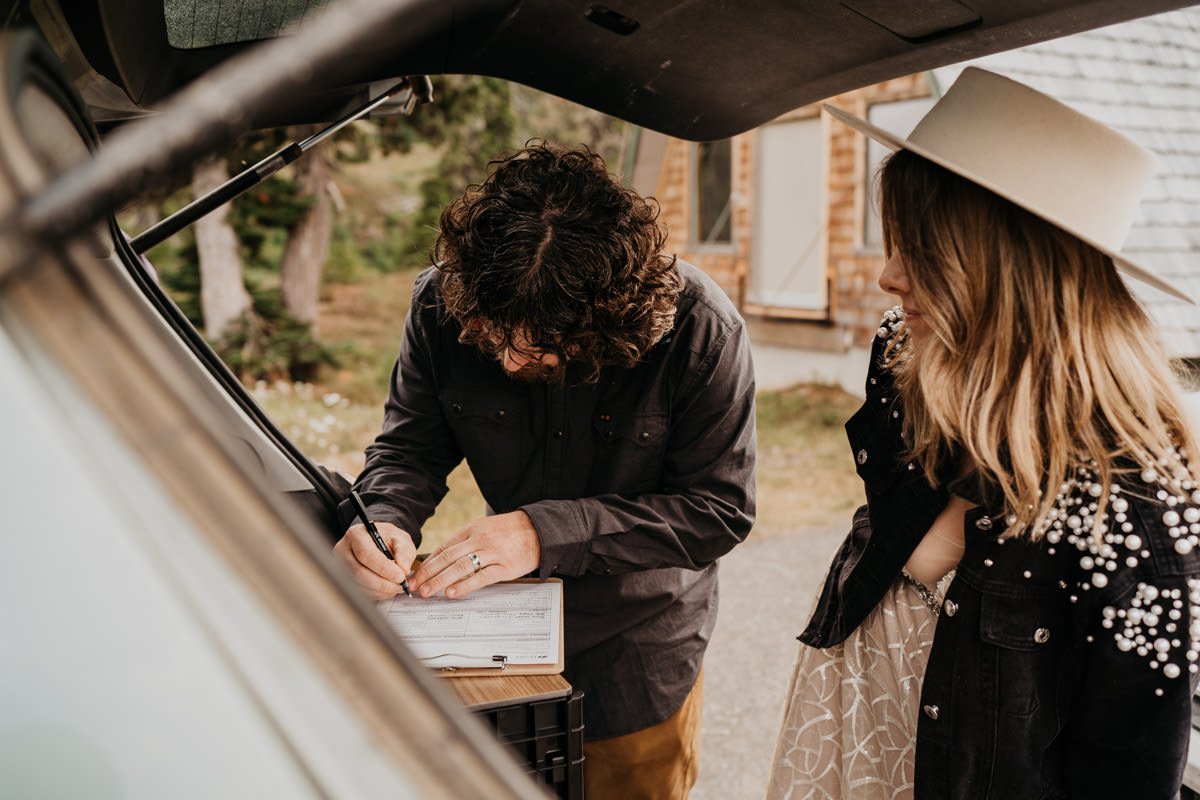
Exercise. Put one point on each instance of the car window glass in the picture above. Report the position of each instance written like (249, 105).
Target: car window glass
(200, 23)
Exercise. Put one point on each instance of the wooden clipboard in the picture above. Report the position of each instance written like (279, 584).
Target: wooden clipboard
(507, 667)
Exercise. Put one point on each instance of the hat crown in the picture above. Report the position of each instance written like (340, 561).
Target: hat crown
(1058, 163)
(1037, 153)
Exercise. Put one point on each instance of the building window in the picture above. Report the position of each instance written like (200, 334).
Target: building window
(898, 117)
(712, 207)
(788, 258)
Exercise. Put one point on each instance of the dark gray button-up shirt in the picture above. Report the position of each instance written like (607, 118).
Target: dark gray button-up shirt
(636, 484)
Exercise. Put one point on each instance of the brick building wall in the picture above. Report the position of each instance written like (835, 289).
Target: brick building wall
(727, 264)
(855, 300)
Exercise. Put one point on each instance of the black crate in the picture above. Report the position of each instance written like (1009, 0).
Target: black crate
(547, 739)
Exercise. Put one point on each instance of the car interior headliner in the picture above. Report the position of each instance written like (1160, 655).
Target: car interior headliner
(696, 69)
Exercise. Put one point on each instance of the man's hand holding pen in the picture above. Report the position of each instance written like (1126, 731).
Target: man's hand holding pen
(491, 549)
(380, 577)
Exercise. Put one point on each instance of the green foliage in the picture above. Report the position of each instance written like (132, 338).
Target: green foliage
(544, 116)
(178, 269)
(475, 123)
(386, 253)
(364, 140)
(271, 344)
(346, 261)
(263, 217)
(806, 407)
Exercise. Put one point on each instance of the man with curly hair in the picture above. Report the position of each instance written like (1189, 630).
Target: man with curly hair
(603, 395)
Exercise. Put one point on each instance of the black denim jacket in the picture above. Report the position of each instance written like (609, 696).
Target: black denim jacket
(1037, 685)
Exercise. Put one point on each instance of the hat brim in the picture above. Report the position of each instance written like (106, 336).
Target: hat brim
(889, 139)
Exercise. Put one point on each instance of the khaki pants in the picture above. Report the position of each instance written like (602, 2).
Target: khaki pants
(657, 763)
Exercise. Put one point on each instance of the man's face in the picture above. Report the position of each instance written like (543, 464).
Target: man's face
(524, 362)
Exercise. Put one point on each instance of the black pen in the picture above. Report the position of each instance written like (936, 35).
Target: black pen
(371, 529)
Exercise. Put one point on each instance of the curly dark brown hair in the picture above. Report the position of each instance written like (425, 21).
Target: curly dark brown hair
(553, 249)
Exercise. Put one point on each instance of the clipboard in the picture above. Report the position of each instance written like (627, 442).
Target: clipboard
(492, 632)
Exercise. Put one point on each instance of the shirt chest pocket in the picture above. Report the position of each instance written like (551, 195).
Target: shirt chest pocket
(487, 428)
(1023, 642)
(631, 449)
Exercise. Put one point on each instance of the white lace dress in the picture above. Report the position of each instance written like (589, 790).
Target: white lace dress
(850, 725)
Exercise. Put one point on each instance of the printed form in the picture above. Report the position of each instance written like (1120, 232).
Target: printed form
(521, 622)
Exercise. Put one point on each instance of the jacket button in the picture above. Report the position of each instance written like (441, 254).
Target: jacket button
(644, 436)
(950, 607)
(1041, 635)
(862, 456)
(931, 712)
(984, 523)
(499, 413)
(558, 434)
(456, 408)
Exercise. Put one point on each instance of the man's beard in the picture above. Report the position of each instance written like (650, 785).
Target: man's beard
(537, 372)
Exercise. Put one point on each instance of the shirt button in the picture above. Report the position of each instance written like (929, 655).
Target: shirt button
(558, 434)
(862, 456)
(984, 523)
(499, 413)
(456, 408)
(644, 436)
(1041, 635)
(608, 572)
(931, 711)
(554, 570)
(950, 607)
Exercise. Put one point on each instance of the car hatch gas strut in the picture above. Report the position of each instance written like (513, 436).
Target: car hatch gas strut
(418, 89)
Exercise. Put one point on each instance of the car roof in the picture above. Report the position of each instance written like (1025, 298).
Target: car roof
(695, 69)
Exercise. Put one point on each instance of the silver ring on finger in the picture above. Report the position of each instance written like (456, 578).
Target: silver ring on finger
(475, 562)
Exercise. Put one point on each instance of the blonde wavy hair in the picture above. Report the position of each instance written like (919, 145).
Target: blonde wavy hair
(1038, 361)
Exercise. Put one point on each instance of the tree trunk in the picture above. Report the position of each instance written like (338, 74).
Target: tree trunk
(223, 296)
(308, 245)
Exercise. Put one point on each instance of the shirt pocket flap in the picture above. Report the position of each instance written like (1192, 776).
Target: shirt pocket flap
(1019, 623)
(643, 430)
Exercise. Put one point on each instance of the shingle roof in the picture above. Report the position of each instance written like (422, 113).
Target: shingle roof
(1143, 78)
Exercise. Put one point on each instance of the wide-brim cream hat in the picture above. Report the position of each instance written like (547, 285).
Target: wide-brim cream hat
(1067, 168)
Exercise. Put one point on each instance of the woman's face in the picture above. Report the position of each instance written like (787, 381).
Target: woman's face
(894, 281)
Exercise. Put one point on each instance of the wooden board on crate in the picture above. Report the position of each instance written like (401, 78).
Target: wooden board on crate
(482, 693)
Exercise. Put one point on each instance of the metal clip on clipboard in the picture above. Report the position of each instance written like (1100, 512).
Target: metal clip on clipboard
(497, 662)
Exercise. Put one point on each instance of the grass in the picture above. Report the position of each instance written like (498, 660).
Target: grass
(806, 478)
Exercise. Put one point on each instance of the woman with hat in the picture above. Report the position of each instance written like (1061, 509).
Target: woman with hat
(1016, 611)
